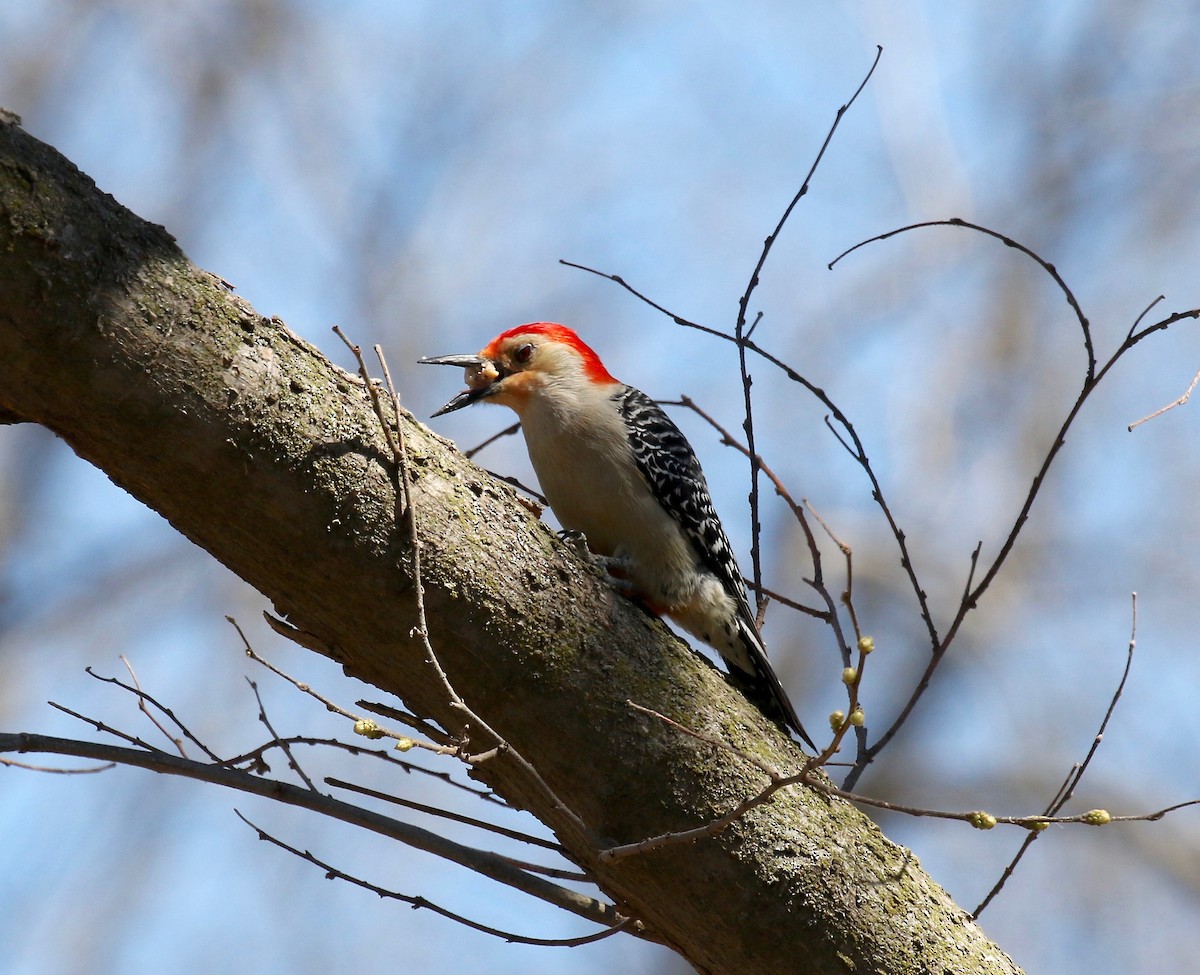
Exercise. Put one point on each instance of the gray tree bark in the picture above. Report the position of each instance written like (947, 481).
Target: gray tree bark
(267, 455)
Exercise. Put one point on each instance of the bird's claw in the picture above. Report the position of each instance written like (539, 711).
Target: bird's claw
(577, 540)
(606, 564)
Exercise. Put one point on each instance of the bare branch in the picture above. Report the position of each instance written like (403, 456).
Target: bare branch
(105, 729)
(404, 717)
(333, 873)
(284, 746)
(480, 861)
(143, 698)
(810, 776)
(768, 593)
(364, 726)
(255, 759)
(742, 334)
(178, 743)
(972, 595)
(829, 615)
(506, 432)
(1182, 400)
(1066, 795)
(52, 770)
(512, 834)
(1045, 265)
(773, 236)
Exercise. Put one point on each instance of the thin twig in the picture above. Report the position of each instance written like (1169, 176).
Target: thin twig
(104, 729)
(52, 770)
(534, 495)
(1082, 768)
(286, 748)
(974, 817)
(376, 730)
(144, 698)
(333, 873)
(255, 759)
(482, 862)
(768, 593)
(1045, 265)
(773, 236)
(483, 824)
(1074, 776)
(372, 389)
(426, 728)
(742, 332)
(137, 684)
(776, 781)
(817, 583)
(848, 592)
(506, 432)
(1145, 311)
(1181, 401)
(748, 426)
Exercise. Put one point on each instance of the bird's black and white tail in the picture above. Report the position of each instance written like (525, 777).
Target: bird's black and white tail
(762, 685)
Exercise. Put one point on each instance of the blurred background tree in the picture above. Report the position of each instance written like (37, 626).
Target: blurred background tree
(413, 172)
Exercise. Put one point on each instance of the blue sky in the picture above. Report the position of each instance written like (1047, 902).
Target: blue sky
(414, 172)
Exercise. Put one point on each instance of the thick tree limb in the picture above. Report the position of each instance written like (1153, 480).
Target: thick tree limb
(261, 451)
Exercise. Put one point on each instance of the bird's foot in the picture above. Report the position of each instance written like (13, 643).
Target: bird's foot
(611, 567)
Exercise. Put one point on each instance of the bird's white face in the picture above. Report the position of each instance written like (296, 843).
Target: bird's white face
(518, 365)
(512, 368)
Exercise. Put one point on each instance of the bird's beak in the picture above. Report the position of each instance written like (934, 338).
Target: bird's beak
(481, 374)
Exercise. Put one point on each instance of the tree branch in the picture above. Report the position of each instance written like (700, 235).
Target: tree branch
(257, 448)
(481, 861)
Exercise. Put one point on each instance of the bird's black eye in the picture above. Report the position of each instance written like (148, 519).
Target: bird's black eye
(524, 353)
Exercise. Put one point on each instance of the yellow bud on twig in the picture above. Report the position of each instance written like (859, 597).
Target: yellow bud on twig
(982, 820)
(367, 728)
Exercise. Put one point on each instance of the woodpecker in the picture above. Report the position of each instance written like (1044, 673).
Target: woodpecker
(614, 467)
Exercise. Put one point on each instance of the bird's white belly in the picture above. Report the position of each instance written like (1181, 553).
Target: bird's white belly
(592, 488)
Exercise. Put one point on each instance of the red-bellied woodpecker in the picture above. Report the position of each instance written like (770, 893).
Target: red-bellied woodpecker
(615, 467)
